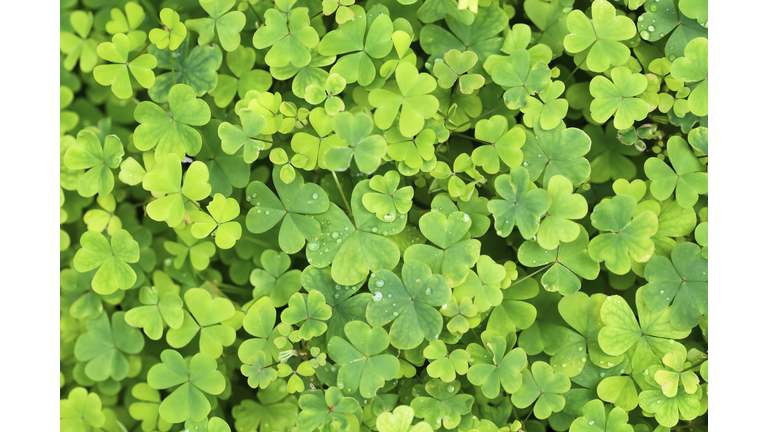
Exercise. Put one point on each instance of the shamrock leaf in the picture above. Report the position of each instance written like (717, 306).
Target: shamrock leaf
(228, 24)
(599, 40)
(502, 368)
(80, 411)
(520, 77)
(314, 147)
(297, 200)
(147, 407)
(434, 10)
(662, 21)
(410, 303)
(668, 411)
(334, 85)
(199, 253)
(116, 75)
(414, 152)
(103, 347)
(161, 306)
(363, 41)
(597, 417)
(454, 253)
(197, 377)
(461, 314)
(219, 223)
(272, 410)
(172, 133)
(110, 258)
(570, 259)
(519, 205)
(361, 362)
(79, 46)
(445, 365)
(233, 138)
(687, 178)
(400, 420)
(98, 160)
(414, 98)
(558, 225)
(346, 307)
(454, 68)
(559, 151)
(310, 310)
(608, 156)
(165, 179)
(275, 281)
(618, 99)
(341, 7)
(444, 406)
(128, 23)
(206, 315)
(628, 238)
(258, 322)
(256, 368)
(226, 171)
(240, 62)
(172, 33)
(387, 201)
(547, 108)
(503, 143)
(484, 286)
(695, 10)
(622, 331)
(683, 279)
(551, 20)
(355, 131)
(197, 70)
(544, 386)
(290, 36)
(327, 413)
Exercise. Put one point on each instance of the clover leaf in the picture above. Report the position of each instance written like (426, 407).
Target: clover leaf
(410, 303)
(547, 108)
(116, 75)
(668, 407)
(275, 281)
(388, 201)
(597, 417)
(683, 279)
(627, 238)
(197, 377)
(80, 411)
(504, 144)
(104, 346)
(326, 412)
(400, 419)
(197, 70)
(98, 160)
(503, 368)
(445, 406)
(128, 23)
(297, 200)
(522, 203)
(570, 259)
(662, 21)
(111, 258)
(455, 67)
(341, 7)
(414, 98)
(361, 362)
(172, 133)
(520, 77)
(687, 178)
(616, 97)
(598, 40)
(290, 35)
(454, 253)
(162, 306)
(273, 409)
(329, 93)
(445, 365)
(147, 407)
(414, 152)
(608, 156)
(314, 147)
(79, 46)
(558, 225)
(218, 222)
(204, 317)
(544, 386)
(310, 310)
(258, 322)
(240, 62)
(228, 24)
(165, 179)
(172, 33)
(199, 253)
(355, 130)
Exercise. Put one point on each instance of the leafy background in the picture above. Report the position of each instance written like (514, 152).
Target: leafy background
(246, 187)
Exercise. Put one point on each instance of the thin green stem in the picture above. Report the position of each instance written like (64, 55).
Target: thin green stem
(469, 138)
(142, 50)
(480, 116)
(256, 13)
(173, 70)
(261, 242)
(531, 275)
(344, 197)
(315, 15)
(575, 69)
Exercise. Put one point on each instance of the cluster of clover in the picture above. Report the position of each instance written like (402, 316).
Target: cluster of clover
(471, 216)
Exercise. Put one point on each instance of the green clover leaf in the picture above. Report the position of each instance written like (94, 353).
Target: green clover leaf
(104, 346)
(110, 258)
(597, 417)
(504, 144)
(558, 225)
(128, 23)
(310, 310)
(314, 147)
(559, 151)
(598, 40)
(290, 36)
(147, 408)
(218, 222)
(172, 33)
(627, 238)
(484, 287)
(258, 322)
(228, 24)
(172, 133)
(206, 315)
(329, 93)
(445, 406)
(400, 419)
(98, 160)
(197, 70)
(162, 306)
(387, 201)
(608, 156)
(520, 77)
(502, 368)
(445, 365)
(454, 68)
(547, 108)
(273, 409)
(165, 179)
(327, 412)
(414, 152)
(687, 179)
(240, 62)
(346, 306)
(668, 411)
(414, 98)
(198, 377)
(662, 21)
(80, 411)
(199, 253)
(522, 203)
(617, 98)
(248, 136)
(275, 281)
(341, 7)
(116, 75)
(410, 303)
(79, 46)
(544, 386)
(355, 130)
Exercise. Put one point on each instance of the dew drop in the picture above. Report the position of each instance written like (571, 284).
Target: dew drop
(338, 287)
(389, 295)
(389, 217)
(645, 35)
(583, 359)
(315, 196)
(654, 8)
(428, 291)
(335, 235)
(451, 388)
(374, 230)
(266, 212)
(377, 296)
(313, 246)
(380, 283)
(651, 28)
(466, 217)
(336, 295)
(340, 384)
(395, 313)
(672, 57)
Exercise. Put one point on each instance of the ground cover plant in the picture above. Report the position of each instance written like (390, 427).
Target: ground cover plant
(383, 215)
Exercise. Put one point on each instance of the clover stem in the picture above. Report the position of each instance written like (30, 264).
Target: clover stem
(142, 50)
(695, 365)
(469, 137)
(528, 416)
(481, 115)
(173, 71)
(575, 69)
(344, 197)
(532, 274)
(453, 93)
(255, 13)
(261, 242)
(315, 15)
(152, 12)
